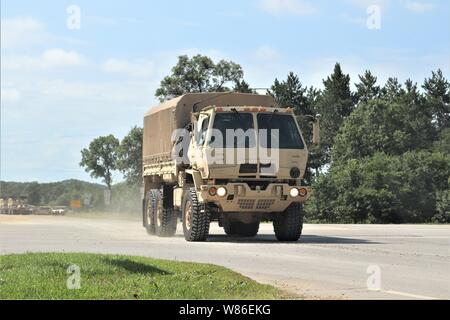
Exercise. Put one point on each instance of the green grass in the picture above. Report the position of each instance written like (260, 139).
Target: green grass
(44, 276)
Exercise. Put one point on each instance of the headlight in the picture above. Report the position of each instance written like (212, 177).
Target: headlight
(222, 191)
(294, 192)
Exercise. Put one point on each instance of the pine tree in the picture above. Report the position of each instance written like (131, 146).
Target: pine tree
(366, 88)
(392, 90)
(243, 87)
(335, 104)
(437, 93)
(291, 93)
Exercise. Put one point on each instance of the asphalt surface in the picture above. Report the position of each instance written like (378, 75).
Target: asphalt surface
(330, 261)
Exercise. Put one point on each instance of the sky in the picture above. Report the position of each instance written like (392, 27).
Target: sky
(74, 70)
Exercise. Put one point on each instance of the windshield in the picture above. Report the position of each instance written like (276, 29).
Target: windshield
(235, 121)
(289, 136)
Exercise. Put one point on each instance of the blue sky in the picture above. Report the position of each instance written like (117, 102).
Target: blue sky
(61, 87)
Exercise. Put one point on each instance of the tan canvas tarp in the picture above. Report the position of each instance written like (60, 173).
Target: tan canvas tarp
(161, 121)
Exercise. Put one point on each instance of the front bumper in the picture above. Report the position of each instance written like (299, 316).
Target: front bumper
(241, 198)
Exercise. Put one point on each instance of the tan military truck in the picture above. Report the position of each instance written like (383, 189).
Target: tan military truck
(238, 159)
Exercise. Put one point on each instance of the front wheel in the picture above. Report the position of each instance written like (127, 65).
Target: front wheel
(196, 218)
(288, 226)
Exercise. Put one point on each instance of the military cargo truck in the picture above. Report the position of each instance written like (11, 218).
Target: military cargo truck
(238, 159)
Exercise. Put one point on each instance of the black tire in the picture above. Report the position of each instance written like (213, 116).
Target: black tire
(195, 217)
(241, 229)
(165, 217)
(148, 214)
(248, 229)
(288, 226)
(230, 227)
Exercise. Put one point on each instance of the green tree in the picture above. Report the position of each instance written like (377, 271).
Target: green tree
(100, 159)
(367, 89)
(130, 156)
(33, 193)
(383, 126)
(383, 189)
(392, 90)
(335, 105)
(442, 207)
(226, 72)
(243, 87)
(291, 93)
(200, 74)
(411, 95)
(442, 144)
(437, 93)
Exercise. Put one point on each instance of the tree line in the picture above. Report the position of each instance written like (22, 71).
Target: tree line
(91, 195)
(384, 151)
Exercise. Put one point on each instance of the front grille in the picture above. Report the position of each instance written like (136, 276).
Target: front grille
(264, 204)
(246, 204)
(251, 204)
(248, 168)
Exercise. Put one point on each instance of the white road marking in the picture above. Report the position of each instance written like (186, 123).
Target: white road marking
(409, 295)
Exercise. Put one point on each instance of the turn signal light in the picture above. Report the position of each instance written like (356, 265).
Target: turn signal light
(212, 191)
(302, 192)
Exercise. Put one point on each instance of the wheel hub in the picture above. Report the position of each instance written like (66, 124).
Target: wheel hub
(188, 215)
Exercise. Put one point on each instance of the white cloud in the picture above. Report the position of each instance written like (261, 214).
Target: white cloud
(26, 32)
(294, 7)
(419, 7)
(138, 68)
(51, 58)
(59, 57)
(21, 31)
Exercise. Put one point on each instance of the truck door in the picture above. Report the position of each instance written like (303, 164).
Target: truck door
(201, 131)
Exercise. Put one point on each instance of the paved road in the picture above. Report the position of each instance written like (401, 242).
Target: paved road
(330, 261)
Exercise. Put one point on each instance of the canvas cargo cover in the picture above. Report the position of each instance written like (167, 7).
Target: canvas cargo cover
(161, 121)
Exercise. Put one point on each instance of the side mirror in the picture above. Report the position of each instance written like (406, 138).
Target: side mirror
(316, 131)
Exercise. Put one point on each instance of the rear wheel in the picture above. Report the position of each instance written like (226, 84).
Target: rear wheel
(241, 229)
(288, 226)
(196, 218)
(165, 216)
(149, 212)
